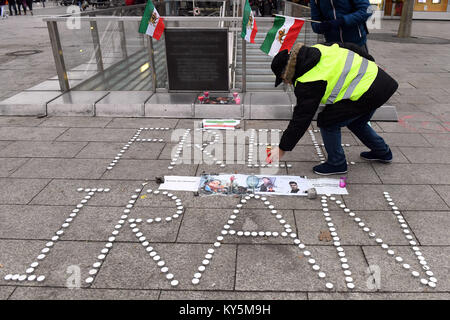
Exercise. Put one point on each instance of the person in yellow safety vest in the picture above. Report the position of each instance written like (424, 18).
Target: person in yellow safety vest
(347, 81)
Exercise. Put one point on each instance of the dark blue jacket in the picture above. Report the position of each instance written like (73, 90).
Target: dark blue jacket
(354, 13)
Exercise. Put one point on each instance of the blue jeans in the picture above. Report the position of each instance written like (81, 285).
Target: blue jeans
(359, 126)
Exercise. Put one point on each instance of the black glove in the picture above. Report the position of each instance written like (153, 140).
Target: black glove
(331, 24)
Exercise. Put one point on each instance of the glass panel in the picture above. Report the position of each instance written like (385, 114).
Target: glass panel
(436, 1)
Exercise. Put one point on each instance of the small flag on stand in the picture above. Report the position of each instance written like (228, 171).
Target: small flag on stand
(282, 35)
(249, 28)
(151, 23)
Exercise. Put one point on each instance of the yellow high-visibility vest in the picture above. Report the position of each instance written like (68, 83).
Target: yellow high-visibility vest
(348, 75)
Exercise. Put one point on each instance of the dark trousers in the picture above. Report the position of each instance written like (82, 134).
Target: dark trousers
(20, 3)
(12, 4)
(29, 4)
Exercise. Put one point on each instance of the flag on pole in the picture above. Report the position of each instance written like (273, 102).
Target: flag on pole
(249, 28)
(151, 23)
(282, 35)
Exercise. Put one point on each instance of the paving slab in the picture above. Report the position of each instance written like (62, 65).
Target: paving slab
(357, 173)
(205, 225)
(444, 192)
(283, 267)
(438, 139)
(430, 227)
(4, 144)
(241, 169)
(147, 170)
(311, 225)
(10, 121)
(51, 85)
(414, 197)
(9, 165)
(378, 296)
(262, 124)
(76, 122)
(130, 266)
(33, 134)
(95, 134)
(412, 127)
(64, 192)
(20, 191)
(396, 279)
(427, 155)
(136, 123)
(6, 291)
(413, 173)
(82, 294)
(109, 150)
(302, 153)
(62, 168)
(230, 295)
(43, 149)
(19, 221)
(405, 139)
(75, 103)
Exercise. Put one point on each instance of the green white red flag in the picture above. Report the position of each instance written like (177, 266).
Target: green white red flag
(249, 28)
(152, 23)
(283, 34)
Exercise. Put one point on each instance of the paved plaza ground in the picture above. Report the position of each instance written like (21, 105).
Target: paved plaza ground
(43, 161)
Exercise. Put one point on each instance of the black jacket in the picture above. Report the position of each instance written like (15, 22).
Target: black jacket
(309, 95)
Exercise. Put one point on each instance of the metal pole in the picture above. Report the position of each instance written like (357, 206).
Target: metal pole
(58, 55)
(152, 61)
(244, 65)
(97, 49)
(123, 40)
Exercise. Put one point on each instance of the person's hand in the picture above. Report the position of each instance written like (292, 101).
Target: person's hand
(275, 155)
(335, 24)
(324, 26)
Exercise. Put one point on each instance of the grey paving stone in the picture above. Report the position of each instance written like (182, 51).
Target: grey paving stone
(5, 292)
(444, 192)
(147, 170)
(20, 191)
(262, 124)
(76, 122)
(405, 139)
(62, 168)
(20, 121)
(240, 169)
(137, 123)
(311, 224)
(44, 149)
(4, 144)
(396, 279)
(302, 153)
(155, 232)
(411, 127)
(378, 296)
(96, 134)
(190, 124)
(230, 295)
(9, 165)
(109, 150)
(200, 225)
(353, 154)
(82, 294)
(31, 222)
(283, 267)
(427, 155)
(430, 227)
(130, 266)
(413, 173)
(437, 139)
(64, 192)
(16, 257)
(415, 197)
(357, 173)
(33, 134)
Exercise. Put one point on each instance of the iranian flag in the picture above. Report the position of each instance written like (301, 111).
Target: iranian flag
(152, 23)
(282, 35)
(249, 28)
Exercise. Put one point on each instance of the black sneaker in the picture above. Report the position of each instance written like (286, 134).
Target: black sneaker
(326, 169)
(370, 156)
